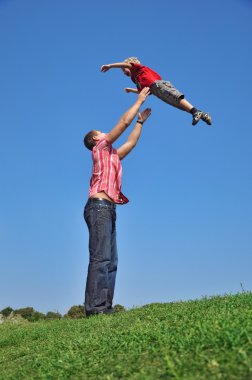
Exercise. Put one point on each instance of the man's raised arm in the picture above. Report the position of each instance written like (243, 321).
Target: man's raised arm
(128, 117)
(134, 135)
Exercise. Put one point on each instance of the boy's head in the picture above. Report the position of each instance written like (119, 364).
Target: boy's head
(132, 60)
(91, 138)
(126, 71)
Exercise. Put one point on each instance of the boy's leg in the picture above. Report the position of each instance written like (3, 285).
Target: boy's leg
(165, 91)
(98, 219)
(185, 105)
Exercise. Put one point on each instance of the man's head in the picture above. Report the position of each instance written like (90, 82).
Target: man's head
(91, 138)
(126, 71)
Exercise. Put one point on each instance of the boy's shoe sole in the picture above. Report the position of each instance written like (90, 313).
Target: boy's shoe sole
(196, 117)
(207, 118)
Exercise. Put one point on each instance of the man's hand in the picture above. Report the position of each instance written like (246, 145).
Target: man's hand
(128, 117)
(105, 68)
(143, 95)
(143, 116)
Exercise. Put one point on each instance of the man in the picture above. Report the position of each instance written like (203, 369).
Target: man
(100, 210)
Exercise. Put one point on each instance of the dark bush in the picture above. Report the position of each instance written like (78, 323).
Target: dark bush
(119, 308)
(53, 315)
(6, 312)
(76, 311)
(30, 314)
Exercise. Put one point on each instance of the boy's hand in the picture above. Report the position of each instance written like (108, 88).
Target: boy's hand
(142, 116)
(134, 90)
(105, 68)
(143, 94)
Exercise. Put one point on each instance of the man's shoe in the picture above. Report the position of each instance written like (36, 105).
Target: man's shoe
(105, 311)
(207, 118)
(109, 311)
(196, 117)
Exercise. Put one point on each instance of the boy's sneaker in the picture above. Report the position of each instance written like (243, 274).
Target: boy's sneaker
(196, 117)
(207, 118)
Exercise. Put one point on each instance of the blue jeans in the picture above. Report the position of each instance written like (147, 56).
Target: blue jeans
(100, 217)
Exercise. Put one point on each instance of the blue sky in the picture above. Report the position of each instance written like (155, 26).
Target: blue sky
(186, 232)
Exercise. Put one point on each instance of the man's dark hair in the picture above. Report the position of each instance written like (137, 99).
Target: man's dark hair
(88, 140)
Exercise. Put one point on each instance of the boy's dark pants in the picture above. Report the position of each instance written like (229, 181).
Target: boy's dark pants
(100, 217)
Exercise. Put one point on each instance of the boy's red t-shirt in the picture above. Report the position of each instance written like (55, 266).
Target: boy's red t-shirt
(143, 76)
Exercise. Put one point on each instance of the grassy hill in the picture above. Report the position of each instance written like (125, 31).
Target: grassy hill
(204, 339)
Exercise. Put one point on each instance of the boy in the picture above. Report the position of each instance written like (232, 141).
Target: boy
(143, 76)
(100, 210)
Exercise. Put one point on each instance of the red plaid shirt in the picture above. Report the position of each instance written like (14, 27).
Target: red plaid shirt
(107, 172)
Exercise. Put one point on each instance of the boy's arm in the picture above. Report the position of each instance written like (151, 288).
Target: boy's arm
(119, 65)
(134, 135)
(128, 117)
(135, 90)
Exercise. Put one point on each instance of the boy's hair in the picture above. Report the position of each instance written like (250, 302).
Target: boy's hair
(88, 140)
(132, 59)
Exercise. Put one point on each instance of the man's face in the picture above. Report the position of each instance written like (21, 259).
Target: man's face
(99, 135)
(126, 71)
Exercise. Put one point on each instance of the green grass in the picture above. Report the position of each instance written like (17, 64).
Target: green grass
(204, 339)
